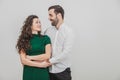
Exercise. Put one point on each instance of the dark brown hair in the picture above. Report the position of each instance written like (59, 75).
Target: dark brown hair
(57, 9)
(23, 42)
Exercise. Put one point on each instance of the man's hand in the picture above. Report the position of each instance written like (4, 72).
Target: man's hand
(45, 64)
(49, 63)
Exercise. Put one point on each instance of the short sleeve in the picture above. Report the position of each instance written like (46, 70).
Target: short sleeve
(47, 40)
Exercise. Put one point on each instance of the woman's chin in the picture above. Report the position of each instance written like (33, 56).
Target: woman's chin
(38, 30)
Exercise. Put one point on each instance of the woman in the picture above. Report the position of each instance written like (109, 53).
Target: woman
(32, 43)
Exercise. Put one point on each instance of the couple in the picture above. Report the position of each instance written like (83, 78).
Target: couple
(38, 52)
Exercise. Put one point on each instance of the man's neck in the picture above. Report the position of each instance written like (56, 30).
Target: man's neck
(59, 24)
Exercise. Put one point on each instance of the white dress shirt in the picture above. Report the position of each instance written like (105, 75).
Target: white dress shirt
(62, 41)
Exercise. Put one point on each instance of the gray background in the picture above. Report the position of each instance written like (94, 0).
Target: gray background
(96, 52)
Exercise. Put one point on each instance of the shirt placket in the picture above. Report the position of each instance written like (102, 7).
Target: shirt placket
(54, 44)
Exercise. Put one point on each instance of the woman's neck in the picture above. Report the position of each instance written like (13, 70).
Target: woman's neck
(34, 32)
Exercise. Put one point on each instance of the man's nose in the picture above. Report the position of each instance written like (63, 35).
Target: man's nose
(48, 18)
(39, 24)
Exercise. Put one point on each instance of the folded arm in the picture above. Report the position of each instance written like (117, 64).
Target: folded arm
(42, 57)
(26, 61)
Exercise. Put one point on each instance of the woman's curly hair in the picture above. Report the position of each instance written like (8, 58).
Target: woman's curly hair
(23, 42)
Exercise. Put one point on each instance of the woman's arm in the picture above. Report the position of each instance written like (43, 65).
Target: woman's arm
(28, 62)
(44, 56)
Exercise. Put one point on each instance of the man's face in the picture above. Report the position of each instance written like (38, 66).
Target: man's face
(53, 17)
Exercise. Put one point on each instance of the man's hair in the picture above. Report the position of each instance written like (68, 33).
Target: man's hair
(57, 9)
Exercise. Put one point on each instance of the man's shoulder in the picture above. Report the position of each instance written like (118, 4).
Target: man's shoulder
(48, 29)
(68, 29)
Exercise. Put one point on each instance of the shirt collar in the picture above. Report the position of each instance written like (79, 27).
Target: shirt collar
(61, 26)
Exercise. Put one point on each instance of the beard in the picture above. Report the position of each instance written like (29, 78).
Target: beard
(54, 22)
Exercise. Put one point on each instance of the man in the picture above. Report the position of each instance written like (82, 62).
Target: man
(62, 39)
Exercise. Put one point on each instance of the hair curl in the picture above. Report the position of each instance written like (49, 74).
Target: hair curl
(23, 42)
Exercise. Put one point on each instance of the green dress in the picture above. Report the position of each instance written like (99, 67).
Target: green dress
(38, 44)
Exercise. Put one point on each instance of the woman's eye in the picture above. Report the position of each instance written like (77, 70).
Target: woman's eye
(36, 22)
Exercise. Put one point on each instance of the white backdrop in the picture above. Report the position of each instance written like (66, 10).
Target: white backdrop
(96, 23)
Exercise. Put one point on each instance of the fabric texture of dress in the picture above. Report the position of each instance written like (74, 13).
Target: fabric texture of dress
(38, 44)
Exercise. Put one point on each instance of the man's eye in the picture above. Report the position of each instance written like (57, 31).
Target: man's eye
(50, 15)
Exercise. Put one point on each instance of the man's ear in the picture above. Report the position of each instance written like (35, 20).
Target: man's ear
(59, 15)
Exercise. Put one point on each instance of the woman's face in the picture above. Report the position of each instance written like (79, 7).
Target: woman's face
(36, 25)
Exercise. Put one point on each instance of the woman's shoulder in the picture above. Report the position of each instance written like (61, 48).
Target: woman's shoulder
(46, 36)
(47, 39)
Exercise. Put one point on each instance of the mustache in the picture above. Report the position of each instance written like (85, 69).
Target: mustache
(51, 20)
